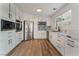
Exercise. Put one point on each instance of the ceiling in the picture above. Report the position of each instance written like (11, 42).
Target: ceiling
(47, 8)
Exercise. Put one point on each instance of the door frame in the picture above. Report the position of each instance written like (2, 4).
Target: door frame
(32, 30)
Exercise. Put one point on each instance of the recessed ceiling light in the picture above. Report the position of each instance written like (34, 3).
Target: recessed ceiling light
(39, 10)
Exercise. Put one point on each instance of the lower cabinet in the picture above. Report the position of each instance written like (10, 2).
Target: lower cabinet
(66, 46)
(7, 42)
(69, 50)
(3, 44)
(53, 37)
(58, 41)
(71, 47)
(18, 37)
(60, 48)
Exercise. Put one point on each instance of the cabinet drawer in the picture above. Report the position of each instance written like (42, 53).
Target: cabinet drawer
(60, 48)
(59, 41)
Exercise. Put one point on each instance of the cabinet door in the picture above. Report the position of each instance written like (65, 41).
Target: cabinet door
(72, 50)
(60, 48)
(61, 40)
(69, 50)
(16, 38)
(70, 47)
(50, 35)
(52, 38)
(17, 13)
(55, 38)
(4, 10)
(4, 43)
(11, 37)
(20, 36)
(21, 15)
(12, 12)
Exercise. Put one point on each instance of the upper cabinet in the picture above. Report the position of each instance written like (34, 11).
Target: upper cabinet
(17, 14)
(12, 12)
(4, 10)
(7, 10)
(21, 16)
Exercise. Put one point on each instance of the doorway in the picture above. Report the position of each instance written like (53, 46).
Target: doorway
(29, 30)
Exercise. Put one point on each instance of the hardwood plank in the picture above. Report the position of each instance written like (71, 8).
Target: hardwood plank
(35, 48)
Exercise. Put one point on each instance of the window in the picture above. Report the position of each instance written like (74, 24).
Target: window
(41, 26)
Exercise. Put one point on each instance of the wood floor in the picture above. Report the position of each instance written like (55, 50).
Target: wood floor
(35, 48)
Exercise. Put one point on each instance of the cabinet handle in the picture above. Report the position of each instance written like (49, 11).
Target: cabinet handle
(19, 17)
(59, 40)
(70, 40)
(8, 42)
(9, 36)
(9, 15)
(68, 36)
(70, 45)
(58, 36)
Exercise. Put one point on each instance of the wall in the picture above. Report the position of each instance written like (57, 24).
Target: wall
(35, 19)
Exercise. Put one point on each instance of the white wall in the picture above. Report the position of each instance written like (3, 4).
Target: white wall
(35, 19)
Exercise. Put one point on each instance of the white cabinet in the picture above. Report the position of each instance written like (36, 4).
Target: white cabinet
(4, 10)
(4, 47)
(9, 38)
(18, 37)
(7, 42)
(61, 39)
(71, 47)
(53, 37)
(12, 12)
(60, 48)
(17, 14)
(69, 50)
(58, 41)
(7, 10)
(21, 15)
(50, 35)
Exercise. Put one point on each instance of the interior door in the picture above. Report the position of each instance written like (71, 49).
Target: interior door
(29, 28)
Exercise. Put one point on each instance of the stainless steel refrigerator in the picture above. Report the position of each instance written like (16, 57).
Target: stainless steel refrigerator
(29, 30)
